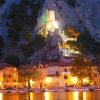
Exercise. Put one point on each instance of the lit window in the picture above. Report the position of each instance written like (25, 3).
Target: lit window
(65, 77)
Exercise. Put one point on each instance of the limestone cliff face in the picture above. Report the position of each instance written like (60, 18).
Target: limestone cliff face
(83, 15)
(50, 52)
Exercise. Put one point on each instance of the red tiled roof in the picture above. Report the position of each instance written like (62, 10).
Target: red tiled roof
(60, 64)
(4, 65)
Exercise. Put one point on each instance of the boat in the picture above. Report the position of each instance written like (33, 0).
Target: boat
(8, 91)
(78, 89)
(50, 90)
(60, 90)
(96, 89)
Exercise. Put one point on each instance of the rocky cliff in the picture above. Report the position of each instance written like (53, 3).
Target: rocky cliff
(83, 15)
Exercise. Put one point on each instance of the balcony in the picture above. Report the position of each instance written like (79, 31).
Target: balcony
(64, 73)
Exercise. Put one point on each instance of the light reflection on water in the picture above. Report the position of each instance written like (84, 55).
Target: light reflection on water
(0, 96)
(76, 95)
(84, 95)
(51, 96)
(47, 95)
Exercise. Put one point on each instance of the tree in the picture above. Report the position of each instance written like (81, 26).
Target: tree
(22, 16)
(90, 44)
(97, 62)
(13, 60)
(82, 67)
(2, 2)
(39, 41)
(1, 43)
(26, 49)
(27, 35)
(28, 72)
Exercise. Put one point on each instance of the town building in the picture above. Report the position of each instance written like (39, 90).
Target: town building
(8, 76)
(58, 74)
(53, 75)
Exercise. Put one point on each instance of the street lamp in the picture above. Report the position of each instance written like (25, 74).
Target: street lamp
(56, 24)
(48, 80)
(74, 79)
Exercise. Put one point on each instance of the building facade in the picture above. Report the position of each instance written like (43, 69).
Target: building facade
(8, 76)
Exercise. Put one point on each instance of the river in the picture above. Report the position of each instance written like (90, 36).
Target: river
(93, 95)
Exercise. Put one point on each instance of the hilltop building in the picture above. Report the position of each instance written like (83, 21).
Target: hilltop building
(47, 25)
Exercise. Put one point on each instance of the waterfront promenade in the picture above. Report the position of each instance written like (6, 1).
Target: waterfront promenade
(62, 89)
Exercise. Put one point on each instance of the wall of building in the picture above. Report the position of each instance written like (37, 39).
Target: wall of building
(9, 77)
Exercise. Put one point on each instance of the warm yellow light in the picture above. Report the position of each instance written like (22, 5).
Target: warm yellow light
(47, 95)
(16, 83)
(31, 81)
(56, 25)
(76, 95)
(48, 80)
(0, 96)
(84, 95)
(85, 80)
(32, 97)
(74, 79)
(0, 83)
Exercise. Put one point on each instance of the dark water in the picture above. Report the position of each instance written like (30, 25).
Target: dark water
(95, 95)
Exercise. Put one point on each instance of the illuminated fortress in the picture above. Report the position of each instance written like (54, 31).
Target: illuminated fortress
(47, 24)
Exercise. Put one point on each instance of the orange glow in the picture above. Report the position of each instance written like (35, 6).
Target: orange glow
(73, 31)
(76, 95)
(0, 83)
(47, 95)
(0, 96)
(31, 96)
(84, 95)
(74, 79)
(85, 80)
(48, 80)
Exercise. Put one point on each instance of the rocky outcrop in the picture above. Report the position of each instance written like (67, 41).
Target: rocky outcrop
(50, 52)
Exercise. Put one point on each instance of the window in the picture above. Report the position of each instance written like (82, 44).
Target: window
(14, 80)
(6, 81)
(57, 74)
(65, 77)
(40, 67)
(94, 75)
(65, 70)
(9, 75)
(4, 75)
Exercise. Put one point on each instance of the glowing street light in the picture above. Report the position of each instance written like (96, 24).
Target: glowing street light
(48, 80)
(0, 83)
(56, 24)
(74, 79)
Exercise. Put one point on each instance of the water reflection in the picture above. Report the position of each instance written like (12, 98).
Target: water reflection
(47, 95)
(51, 96)
(84, 95)
(0, 96)
(76, 95)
